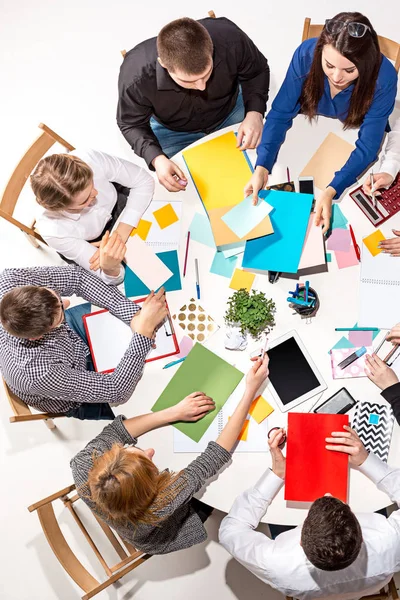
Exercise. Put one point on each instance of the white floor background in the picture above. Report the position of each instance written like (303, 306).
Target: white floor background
(59, 64)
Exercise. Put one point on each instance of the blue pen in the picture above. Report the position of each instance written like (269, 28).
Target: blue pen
(196, 264)
(300, 302)
(350, 359)
(307, 286)
(174, 362)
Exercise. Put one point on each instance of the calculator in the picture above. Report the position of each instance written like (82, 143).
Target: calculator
(387, 204)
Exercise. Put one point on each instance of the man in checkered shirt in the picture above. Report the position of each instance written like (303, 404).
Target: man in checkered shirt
(44, 357)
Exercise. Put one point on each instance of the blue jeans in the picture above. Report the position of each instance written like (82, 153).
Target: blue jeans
(173, 142)
(88, 410)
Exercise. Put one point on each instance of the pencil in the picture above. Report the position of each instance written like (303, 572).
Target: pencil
(186, 253)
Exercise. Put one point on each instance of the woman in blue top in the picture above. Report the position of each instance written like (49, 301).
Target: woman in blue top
(342, 74)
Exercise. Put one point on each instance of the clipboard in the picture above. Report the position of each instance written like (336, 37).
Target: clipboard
(107, 350)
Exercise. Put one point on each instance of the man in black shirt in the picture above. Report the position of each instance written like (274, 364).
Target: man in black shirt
(194, 78)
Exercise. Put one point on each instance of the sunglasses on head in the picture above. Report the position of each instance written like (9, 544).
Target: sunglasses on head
(357, 30)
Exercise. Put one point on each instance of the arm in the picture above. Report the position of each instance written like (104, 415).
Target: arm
(369, 137)
(386, 379)
(72, 280)
(392, 395)
(390, 162)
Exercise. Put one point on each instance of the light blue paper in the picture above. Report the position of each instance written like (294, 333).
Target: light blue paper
(244, 217)
(234, 251)
(200, 230)
(338, 220)
(342, 343)
(223, 266)
(281, 251)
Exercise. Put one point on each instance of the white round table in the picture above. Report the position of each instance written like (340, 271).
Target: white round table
(338, 292)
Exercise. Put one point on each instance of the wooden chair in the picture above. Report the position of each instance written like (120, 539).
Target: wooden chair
(22, 412)
(130, 558)
(388, 47)
(389, 592)
(21, 173)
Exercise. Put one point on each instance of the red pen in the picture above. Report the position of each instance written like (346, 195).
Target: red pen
(356, 246)
(186, 253)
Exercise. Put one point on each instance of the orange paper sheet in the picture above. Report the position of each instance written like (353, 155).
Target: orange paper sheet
(142, 230)
(372, 241)
(165, 216)
(260, 409)
(330, 157)
(242, 279)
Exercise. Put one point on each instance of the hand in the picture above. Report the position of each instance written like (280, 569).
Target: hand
(394, 334)
(348, 442)
(95, 260)
(391, 246)
(257, 374)
(192, 408)
(381, 180)
(112, 251)
(251, 130)
(258, 181)
(379, 373)
(169, 174)
(323, 209)
(153, 312)
(278, 459)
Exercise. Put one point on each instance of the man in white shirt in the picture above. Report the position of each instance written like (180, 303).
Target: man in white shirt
(79, 203)
(334, 553)
(389, 167)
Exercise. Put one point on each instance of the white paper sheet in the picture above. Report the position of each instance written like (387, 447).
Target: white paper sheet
(143, 261)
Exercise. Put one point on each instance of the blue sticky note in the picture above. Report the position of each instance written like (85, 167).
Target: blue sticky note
(200, 230)
(135, 286)
(243, 217)
(373, 419)
(223, 266)
(338, 220)
(281, 251)
(342, 343)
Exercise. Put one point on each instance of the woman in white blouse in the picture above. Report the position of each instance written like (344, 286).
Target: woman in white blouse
(390, 166)
(82, 196)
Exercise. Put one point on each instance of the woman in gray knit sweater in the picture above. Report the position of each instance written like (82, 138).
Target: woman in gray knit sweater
(155, 511)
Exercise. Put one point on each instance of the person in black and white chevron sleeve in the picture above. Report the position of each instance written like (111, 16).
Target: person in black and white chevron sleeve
(384, 377)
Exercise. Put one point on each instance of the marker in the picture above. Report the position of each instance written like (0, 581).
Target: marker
(350, 359)
(307, 286)
(174, 362)
(196, 264)
(356, 246)
(186, 253)
(300, 302)
(356, 329)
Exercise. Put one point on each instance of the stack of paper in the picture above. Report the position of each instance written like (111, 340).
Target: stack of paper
(312, 258)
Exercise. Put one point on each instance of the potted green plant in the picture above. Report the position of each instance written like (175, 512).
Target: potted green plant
(248, 313)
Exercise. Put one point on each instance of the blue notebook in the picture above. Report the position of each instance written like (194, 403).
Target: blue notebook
(281, 251)
(135, 286)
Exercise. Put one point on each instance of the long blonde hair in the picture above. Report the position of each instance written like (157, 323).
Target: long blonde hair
(58, 178)
(127, 486)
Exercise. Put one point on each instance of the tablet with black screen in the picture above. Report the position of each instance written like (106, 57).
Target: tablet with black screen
(293, 376)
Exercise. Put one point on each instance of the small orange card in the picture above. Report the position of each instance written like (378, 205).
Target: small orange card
(260, 409)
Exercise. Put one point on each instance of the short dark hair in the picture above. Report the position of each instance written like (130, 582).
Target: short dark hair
(29, 311)
(186, 45)
(331, 536)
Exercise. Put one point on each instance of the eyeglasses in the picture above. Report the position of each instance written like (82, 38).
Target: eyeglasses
(356, 30)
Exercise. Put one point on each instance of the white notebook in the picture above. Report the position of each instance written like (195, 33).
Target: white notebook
(257, 438)
(379, 290)
(162, 240)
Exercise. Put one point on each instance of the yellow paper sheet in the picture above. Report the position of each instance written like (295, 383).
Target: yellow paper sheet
(142, 230)
(332, 154)
(372, 241)
(260, 409)
(219, 170)
(165, 216)
(242, 279)
(244, 432)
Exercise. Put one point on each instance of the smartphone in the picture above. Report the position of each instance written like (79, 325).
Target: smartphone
(306, 185)
(386, 350)
(338, 404)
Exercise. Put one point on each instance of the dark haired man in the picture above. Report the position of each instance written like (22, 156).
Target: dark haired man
(44, 355)
(334, 553)
(185, 84)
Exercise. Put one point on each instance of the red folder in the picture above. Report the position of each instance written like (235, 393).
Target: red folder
(311, 470)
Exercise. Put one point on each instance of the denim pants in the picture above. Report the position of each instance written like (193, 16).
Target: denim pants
(88, 410)
(173, 142)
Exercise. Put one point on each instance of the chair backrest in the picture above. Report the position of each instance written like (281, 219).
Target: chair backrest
(130, 558)
(388, 47)
(22, 412)
(21, 173)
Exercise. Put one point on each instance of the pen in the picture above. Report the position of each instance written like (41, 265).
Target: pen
(265, 348)
(288, 174)
(371, 176)
(186, 253)
(356, 246)
(350, 359)
(196, 264)
(356, 329)
(174, 362)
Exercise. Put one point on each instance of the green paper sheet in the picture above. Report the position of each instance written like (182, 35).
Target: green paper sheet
(204, 371)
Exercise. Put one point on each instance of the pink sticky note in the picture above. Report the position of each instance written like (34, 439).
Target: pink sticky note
(361, 338)
(340, 240)
(185, 347)
(346, 259)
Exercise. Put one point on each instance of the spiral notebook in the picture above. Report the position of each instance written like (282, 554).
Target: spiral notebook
(374, 425)
(379, 290)
(166, 238)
